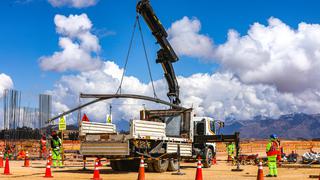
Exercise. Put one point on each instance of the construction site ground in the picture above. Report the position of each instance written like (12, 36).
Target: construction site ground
(222, 170)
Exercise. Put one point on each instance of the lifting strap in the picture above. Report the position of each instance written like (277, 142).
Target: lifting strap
(147, 59)
(128, 53)
(145, 53)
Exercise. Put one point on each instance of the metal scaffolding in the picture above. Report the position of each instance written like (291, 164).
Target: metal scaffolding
(24, 122)
(45, 105)
(11, 104)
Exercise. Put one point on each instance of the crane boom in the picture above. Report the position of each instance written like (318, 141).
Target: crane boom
(166, 55)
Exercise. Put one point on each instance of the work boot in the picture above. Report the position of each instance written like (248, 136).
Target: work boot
(269, 175)
(274, 175)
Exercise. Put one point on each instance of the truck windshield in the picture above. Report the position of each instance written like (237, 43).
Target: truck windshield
(212, 127)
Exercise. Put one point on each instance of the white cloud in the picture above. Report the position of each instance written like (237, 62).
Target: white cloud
(73, 3)
(5, 83)
(103, 80)
(186, 40)
(271, 71)
(273, 54)
(79, 45)
(222, 94)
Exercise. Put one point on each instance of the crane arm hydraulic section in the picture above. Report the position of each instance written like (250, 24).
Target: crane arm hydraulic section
(166, 55)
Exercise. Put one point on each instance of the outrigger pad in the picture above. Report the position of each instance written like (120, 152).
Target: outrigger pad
(238, 168)
(178, 173)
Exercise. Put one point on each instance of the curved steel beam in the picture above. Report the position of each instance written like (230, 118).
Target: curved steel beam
(131, 96)
(74, 109)
(101, 97)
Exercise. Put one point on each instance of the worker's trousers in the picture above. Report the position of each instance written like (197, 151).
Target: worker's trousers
(56, 158)
(272, 164)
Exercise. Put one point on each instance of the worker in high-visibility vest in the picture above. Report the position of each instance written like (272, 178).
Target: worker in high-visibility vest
(56, 149)
(8, 151)
(21, 154)
(230, 151)
(272, 151)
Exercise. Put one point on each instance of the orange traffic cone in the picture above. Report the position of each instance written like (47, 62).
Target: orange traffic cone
(50, 158)
(26, 160)
(7, 168)
(141, 175)
(96, 173)
(48, 171)
(199, 170)
(99, 162)
(1, 160)
(260, 172)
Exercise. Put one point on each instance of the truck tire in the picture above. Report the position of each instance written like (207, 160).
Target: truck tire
(161, 165)
(173, 165)
(207, 162)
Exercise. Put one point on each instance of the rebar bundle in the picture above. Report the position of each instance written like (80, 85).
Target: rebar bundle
(12, 99)
(24, 122)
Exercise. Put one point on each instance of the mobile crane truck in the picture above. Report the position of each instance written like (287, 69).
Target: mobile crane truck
(158, 134)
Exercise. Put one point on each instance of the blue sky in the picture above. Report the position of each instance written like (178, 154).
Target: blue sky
(28, 32)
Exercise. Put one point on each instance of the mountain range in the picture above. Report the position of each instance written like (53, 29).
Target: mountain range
(289, 126)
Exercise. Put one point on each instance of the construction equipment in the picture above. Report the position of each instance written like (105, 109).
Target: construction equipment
(166, 55)
(158, 133)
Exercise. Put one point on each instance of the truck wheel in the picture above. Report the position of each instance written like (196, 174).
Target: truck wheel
(114, 165)
(161, 165)
(173, 165)
(208, 161)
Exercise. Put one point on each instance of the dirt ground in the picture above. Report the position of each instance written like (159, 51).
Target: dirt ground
(219, 171)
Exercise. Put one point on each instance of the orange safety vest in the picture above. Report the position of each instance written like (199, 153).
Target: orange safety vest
(274, 149)
(22, 154)
(43, 144)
